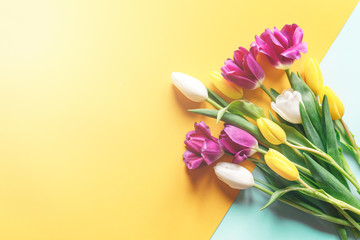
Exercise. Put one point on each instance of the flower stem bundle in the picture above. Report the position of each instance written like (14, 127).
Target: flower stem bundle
(299, 150)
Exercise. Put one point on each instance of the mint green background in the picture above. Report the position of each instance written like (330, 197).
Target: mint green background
(341, 71)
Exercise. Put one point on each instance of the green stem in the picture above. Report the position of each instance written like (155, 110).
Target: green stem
(288, 74)
(321, 216)
(330, 160)
(343, 205)
(349, 218)
(347, 167)
(215, 104)
(304, 183)
(267, 92)
(257, 160)
(352, 139)
(261, 151)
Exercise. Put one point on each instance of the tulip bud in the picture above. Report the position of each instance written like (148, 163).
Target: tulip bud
(281, 165)
(313, 76)
(238, 142)
(287, 106)
(201, 147)
(272, 132)
(234, 175)
(336, 107)
(228, 88)
(243, 70)
(191, 87)
(281, 47)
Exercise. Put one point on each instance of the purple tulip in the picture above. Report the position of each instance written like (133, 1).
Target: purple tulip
(201, 147)
(243, 70)
(281, 47)
(238, 142)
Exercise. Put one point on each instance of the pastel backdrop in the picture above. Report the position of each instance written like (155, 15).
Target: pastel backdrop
(91, 128)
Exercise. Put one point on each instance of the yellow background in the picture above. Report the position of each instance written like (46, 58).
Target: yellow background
(91, 128)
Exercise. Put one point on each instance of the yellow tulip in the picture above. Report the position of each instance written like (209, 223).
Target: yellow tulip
(272, 132)
(281, 165)
(228, 88)
(336, 107)
(313, 76)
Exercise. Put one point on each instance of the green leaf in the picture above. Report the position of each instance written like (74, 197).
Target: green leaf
(246, 108)
(311, 104)
(220, 114)
(274, 92)
(345, 164)
(310, 130)
(329, 183)
(242, 108)
(272, 118)
(344, 139)
(279, 193)
(213, 96)
(294, 136)
(292, 154)
(342, 232)
(277, 182)
(331, 142)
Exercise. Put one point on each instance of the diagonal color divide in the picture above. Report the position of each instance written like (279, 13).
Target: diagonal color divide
(91, 128)
(340, 68)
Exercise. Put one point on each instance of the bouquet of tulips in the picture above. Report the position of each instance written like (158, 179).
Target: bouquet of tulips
(300, 146)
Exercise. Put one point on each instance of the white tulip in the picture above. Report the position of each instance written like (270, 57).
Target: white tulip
(287, 106)
(191, 87)
(234, 175)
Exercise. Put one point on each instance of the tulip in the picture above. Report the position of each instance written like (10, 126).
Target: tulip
(287, 106)
(234, 175)
(238, 142)
(201, 147)
(313, 76)
(281, 47)
(336, 107)
(228, 88)
(281, 165)
(272, 132)
(191, 87)
(243, 71)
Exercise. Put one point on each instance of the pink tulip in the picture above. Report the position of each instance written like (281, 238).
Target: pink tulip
(238, 142)
(243, 71)
(201, 147)
(281, 47)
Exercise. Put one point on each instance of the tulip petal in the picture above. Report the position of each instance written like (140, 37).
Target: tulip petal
(242, 81)
(234, 175)
(228, 88)
(281, 38)
(202, 128)
(240, 156)
(201, 146)
(239, 56)
(191, 87)
(287, 106)
(294, 52)
(211, 151)
(297, 36)
(282, 47)
(194, 145)
(255, 68)
(192, 160)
